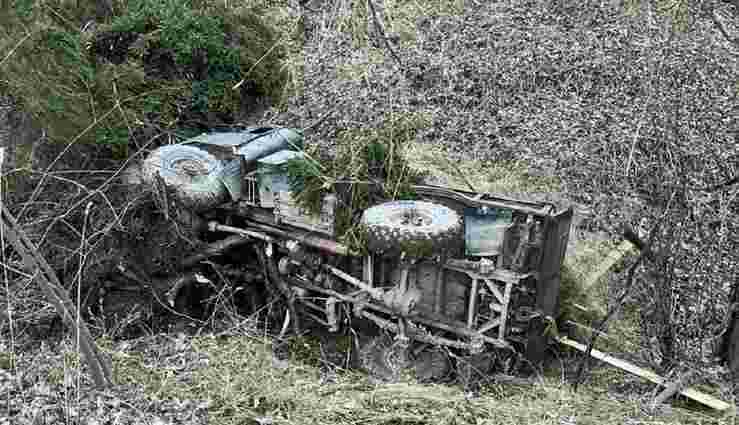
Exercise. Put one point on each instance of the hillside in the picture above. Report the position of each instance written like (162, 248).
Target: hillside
(625, 110)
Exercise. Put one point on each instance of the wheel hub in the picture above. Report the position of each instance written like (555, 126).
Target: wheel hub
(412, 217)
(191, 167)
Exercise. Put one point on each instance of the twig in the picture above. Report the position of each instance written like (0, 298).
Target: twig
(303, 4)
(100, 368)
(601, 326)
(243, 79)
(633, 143)
(460, 173)
(318, 121)
(17, 45)
(645, 250)
(631, 236)
(154, 286)
(673, 388)
(82, 260)
(376, 21)
(721, 28)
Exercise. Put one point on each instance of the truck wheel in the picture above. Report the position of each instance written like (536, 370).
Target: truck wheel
(191, 174)
(418, 228)
(384, 359)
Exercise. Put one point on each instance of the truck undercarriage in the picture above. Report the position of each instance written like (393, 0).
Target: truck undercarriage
(472, 272)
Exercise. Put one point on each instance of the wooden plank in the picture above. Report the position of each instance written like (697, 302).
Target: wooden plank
(692, 394)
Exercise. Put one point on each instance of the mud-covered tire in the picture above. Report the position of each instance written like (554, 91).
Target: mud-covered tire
(388, 232)
(432, 365)
(384, 359)
(191, 174)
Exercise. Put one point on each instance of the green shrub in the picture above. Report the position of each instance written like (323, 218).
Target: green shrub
(61, 76)
(362, 155)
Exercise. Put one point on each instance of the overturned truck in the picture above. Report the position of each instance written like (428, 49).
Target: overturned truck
(470, 271)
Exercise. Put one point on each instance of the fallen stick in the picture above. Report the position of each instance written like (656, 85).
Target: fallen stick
(692, 394)
(672, 389)
(99, 365)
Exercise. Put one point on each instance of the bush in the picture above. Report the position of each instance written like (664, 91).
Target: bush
(161, 64)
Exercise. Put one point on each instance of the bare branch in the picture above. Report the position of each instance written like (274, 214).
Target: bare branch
(380, 30)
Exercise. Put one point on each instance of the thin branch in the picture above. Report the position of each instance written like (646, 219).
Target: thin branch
(379, 28)
(601, 326)
(645, 251)
(17, 45)
(99, 365)
(721, 29)
(318, 121)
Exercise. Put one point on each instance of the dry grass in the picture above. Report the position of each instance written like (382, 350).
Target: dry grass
(502, 177)
(233, 379)
(564, 98)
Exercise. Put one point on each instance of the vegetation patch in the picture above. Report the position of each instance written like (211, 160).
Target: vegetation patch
(575, 303)
(399, 19)
(241, 386)
(161, 64)
(585, 305)
(503, 177)
(369, 167)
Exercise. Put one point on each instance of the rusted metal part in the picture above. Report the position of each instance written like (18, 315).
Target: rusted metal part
(308, 239)
(216, 248)
(505, 310)
(311, 304)
(472, 309)
(416, 317)
(440, 296)
(266, 222)
(519, 257)
(332, 315)
(368, 269)
(295, 251)
(472, 268)
(158, 288)
(414, 333)
(214, 226)
(401, 299)
(375, 293)
(181, 282)
(285, 324)
(402, 329)
(273, 277)
(318, 319)
(501, 307)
